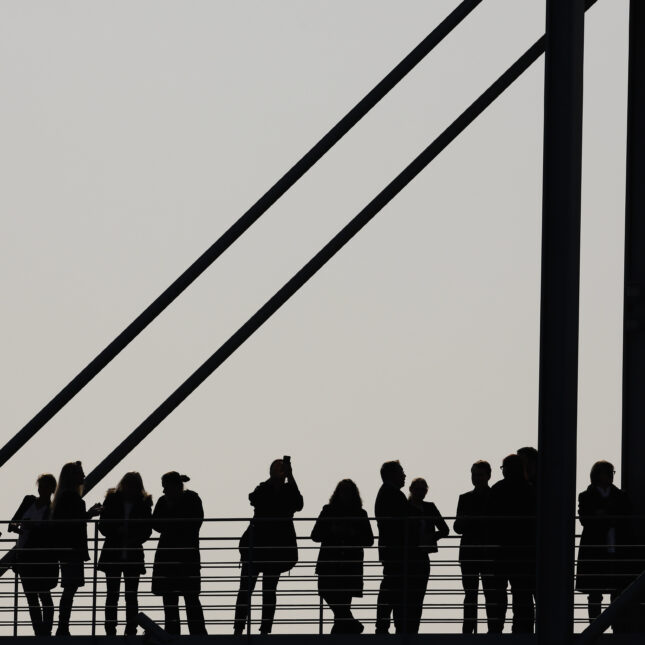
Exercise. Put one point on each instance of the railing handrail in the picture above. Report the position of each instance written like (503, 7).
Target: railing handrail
(236, 230)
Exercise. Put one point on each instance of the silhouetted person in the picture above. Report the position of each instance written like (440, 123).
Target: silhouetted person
(512, 536)
(125, 523)
(395, 538)
(268, 546)
(343, 530)
(70, 527)
(603, 511)
(471, 524)
(177, 517)
(529, 457)
(34, 557)
(431, 527)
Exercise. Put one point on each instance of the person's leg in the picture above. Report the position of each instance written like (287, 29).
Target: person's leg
(269, 600)
(35, 613)
(417, 585)
(470, 583)
(194, 615)
(490, 596)
(594, 605)
(48, 612)
(499, 584)
(131, 583)
(112, 588)
(340, 605)
(65, 610)
(388, 596)
(248, 578)
(171, 613)
(523, 611)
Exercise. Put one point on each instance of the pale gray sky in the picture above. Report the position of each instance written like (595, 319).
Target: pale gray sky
(134, 133)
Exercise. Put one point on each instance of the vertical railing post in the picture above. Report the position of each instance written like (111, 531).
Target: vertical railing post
(15, 604)
(320, 616)
(95, 576)
(250, 591)
(558, 382)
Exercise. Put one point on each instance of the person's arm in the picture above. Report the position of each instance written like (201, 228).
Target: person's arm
(366, 535)
(297, 502)
(321, 527)
(143, 525)
(14, 525)
(441, 528)
(159, 516)
(461, 522)
(107, 526)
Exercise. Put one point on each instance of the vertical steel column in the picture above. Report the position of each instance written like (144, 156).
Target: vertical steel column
(559, 319)
(633, 449)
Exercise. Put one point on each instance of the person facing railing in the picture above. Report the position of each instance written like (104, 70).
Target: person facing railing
(343, 530)
(268, 546)
(125, 523)
(32, 556)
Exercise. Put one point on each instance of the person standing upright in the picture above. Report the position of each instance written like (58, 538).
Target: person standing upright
(268, 546)
(471, 524)
(177, 517)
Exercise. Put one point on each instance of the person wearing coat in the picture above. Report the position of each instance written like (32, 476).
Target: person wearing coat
(70, 516)
(177, 518)
(603, 509)
(34, 559)
(125, 523)
(268, 546)
(343, 530)
(470, 524)
(431, 527)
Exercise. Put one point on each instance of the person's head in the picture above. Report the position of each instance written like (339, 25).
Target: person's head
(173, 484)
(392, 473)
(418, 489)
(602, 474)
(529, 457)
(480, 473)
(277, 471)
(71, 478)
(513, 467)
(131, 487)
(46, 485)
(346, 495)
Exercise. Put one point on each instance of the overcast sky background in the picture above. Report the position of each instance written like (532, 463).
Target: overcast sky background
(134, 134)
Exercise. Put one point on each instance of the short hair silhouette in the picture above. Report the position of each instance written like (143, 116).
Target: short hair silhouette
(513, 466)
(173, 478)
(389, 469)
(482, 465)
(528, 452)
(418, 481)
(346, 494)
(600, 468)
(48, 479)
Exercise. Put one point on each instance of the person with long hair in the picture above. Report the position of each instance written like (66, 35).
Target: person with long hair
(177, 517)
(125, 523)
(343, 530)
(33, 557)
(70, 525)
(268, 546)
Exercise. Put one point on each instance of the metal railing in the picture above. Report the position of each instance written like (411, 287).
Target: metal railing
(300, 609)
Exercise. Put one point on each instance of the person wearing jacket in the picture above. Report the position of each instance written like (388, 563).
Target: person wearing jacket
(268, 546)
(431, 527)
(34, 558)
(70, 517)
(125, 523)
(470, 523)
(604, 514)
(343, 530)
(177, 517)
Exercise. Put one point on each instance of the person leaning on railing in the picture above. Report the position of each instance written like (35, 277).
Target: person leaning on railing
(178, 517)
(343, 529)
(268, 546)
(125, 523)
(33, 557)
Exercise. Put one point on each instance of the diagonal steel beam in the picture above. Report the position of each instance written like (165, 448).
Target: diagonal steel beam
(318, 261)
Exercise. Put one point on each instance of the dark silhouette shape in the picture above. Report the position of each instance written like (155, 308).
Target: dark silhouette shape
(471, 524)
(34, 559)
(512, 537)
(431, 527)
(125, 523)
(70, 528)
(529, 457)
(268, 546)
(395, 546)
(177, 517)
(343, 530)
(603, 509)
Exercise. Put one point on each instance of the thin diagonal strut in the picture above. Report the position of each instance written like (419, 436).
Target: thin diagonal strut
(237, 229)
(317, 262)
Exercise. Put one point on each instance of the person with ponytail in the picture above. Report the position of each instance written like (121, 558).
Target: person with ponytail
(177, 517)
(70, 526)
